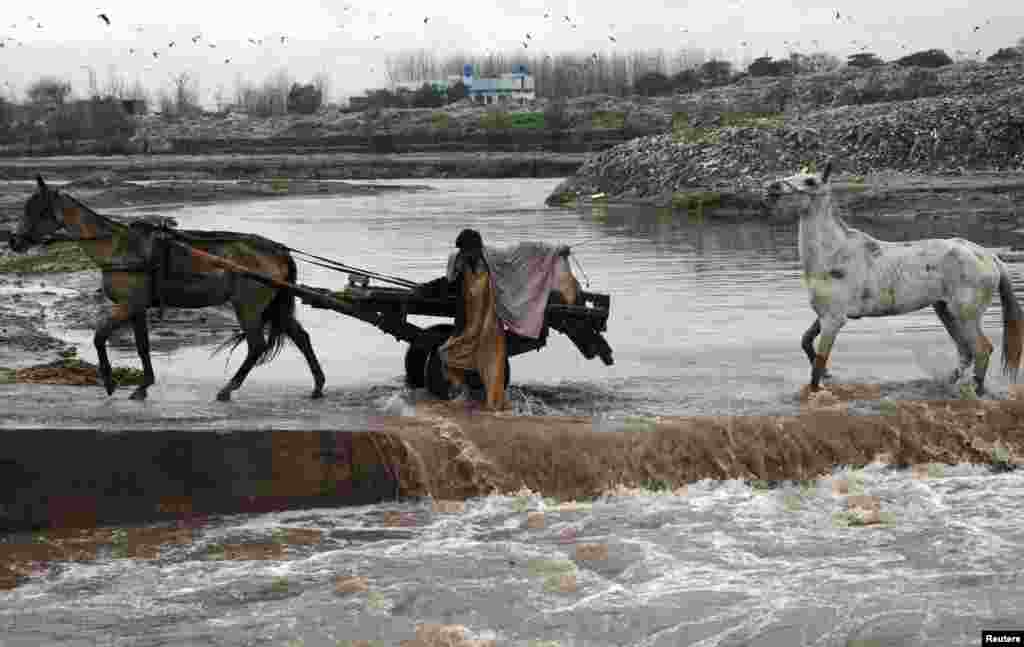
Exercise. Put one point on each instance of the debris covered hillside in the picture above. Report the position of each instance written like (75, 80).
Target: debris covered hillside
(727, 141)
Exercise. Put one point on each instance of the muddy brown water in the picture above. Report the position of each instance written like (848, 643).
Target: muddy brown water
(706, 318)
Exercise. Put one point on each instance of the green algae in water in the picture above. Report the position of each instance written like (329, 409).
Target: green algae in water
(550, 567)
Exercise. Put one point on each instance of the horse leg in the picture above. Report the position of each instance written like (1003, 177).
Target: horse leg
(955, 331)
(141, 328)
(982, 351)
(807, 343)
(298, 334)
(257, 345)
(830, 327)
(119, 315)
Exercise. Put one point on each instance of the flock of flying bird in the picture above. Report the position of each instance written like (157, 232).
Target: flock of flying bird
(838, 17)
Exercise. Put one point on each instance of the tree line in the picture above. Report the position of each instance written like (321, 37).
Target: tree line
(654, 73)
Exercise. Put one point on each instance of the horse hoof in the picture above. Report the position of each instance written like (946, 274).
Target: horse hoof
(138, 394)
(110, 388)
(224, 396)
(317, 394)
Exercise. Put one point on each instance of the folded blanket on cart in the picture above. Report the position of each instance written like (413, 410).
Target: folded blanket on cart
(524, 276)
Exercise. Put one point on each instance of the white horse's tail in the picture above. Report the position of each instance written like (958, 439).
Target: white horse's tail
(1013, 325)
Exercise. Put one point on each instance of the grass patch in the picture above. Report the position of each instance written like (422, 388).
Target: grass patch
(656, 485)
(566, 199)
(496, 120)
(686, 134)
(279, 184)
(58, 257)
(7, 376)
(999, 459)
(528, 120)
(125, 376)
(215, 551)
(695, 202)
(750, 120)
(440, 120)
(608, 119)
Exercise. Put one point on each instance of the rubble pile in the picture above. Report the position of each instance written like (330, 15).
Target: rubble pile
(936, 135)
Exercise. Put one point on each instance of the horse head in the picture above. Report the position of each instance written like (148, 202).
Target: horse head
(40, 218)
(806, 186)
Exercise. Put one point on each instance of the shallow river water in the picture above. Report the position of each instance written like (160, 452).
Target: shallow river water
(706, 318)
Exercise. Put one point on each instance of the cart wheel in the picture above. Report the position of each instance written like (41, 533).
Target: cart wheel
(434, 376)
(416, 356)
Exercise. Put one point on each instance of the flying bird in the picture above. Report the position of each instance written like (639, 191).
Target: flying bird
(283, 39)
(195, 39)
(525, 45)
(612, 38)
(212, 46)
(528, 36)
(377, 37)
(156, 54)
(171, 44)
(567, 19)
(252, 40)
(131, 50)
(426, 19)
(837, 15)
(104, 18)
(547, 14)
(227, 60)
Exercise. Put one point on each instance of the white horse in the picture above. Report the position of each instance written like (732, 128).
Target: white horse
(850, 275)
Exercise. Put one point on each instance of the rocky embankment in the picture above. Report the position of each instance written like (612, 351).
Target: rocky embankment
(722, 159)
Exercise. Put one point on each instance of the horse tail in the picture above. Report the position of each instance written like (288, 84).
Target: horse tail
(278, 313)
(1013, 325)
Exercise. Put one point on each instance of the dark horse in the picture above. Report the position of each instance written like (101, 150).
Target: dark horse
(146, 266)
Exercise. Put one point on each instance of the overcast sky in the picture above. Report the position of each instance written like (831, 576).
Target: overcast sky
(61, 38)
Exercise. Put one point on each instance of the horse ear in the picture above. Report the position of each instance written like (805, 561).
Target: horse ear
(827, 172)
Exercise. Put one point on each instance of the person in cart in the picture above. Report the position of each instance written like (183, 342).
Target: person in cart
(499, 292)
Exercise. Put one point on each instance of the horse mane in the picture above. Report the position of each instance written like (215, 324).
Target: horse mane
(193, 235)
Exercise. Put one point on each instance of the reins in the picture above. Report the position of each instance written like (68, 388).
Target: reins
(311, 258)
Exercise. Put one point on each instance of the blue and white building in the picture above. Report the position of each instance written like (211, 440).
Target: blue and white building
(512, 87)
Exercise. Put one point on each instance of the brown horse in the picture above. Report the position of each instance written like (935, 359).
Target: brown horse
(145, 266)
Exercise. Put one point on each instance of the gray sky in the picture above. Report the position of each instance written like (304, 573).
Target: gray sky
(324, 37)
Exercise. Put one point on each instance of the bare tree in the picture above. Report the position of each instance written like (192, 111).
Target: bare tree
(186, 94)
(322, 83)
(48, 90)
(116, 86)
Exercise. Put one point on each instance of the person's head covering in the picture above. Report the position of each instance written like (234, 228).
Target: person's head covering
(469, 239)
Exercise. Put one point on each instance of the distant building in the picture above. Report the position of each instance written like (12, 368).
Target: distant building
(515, 87)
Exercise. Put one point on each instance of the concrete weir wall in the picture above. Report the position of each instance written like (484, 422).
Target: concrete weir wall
(81, 478)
